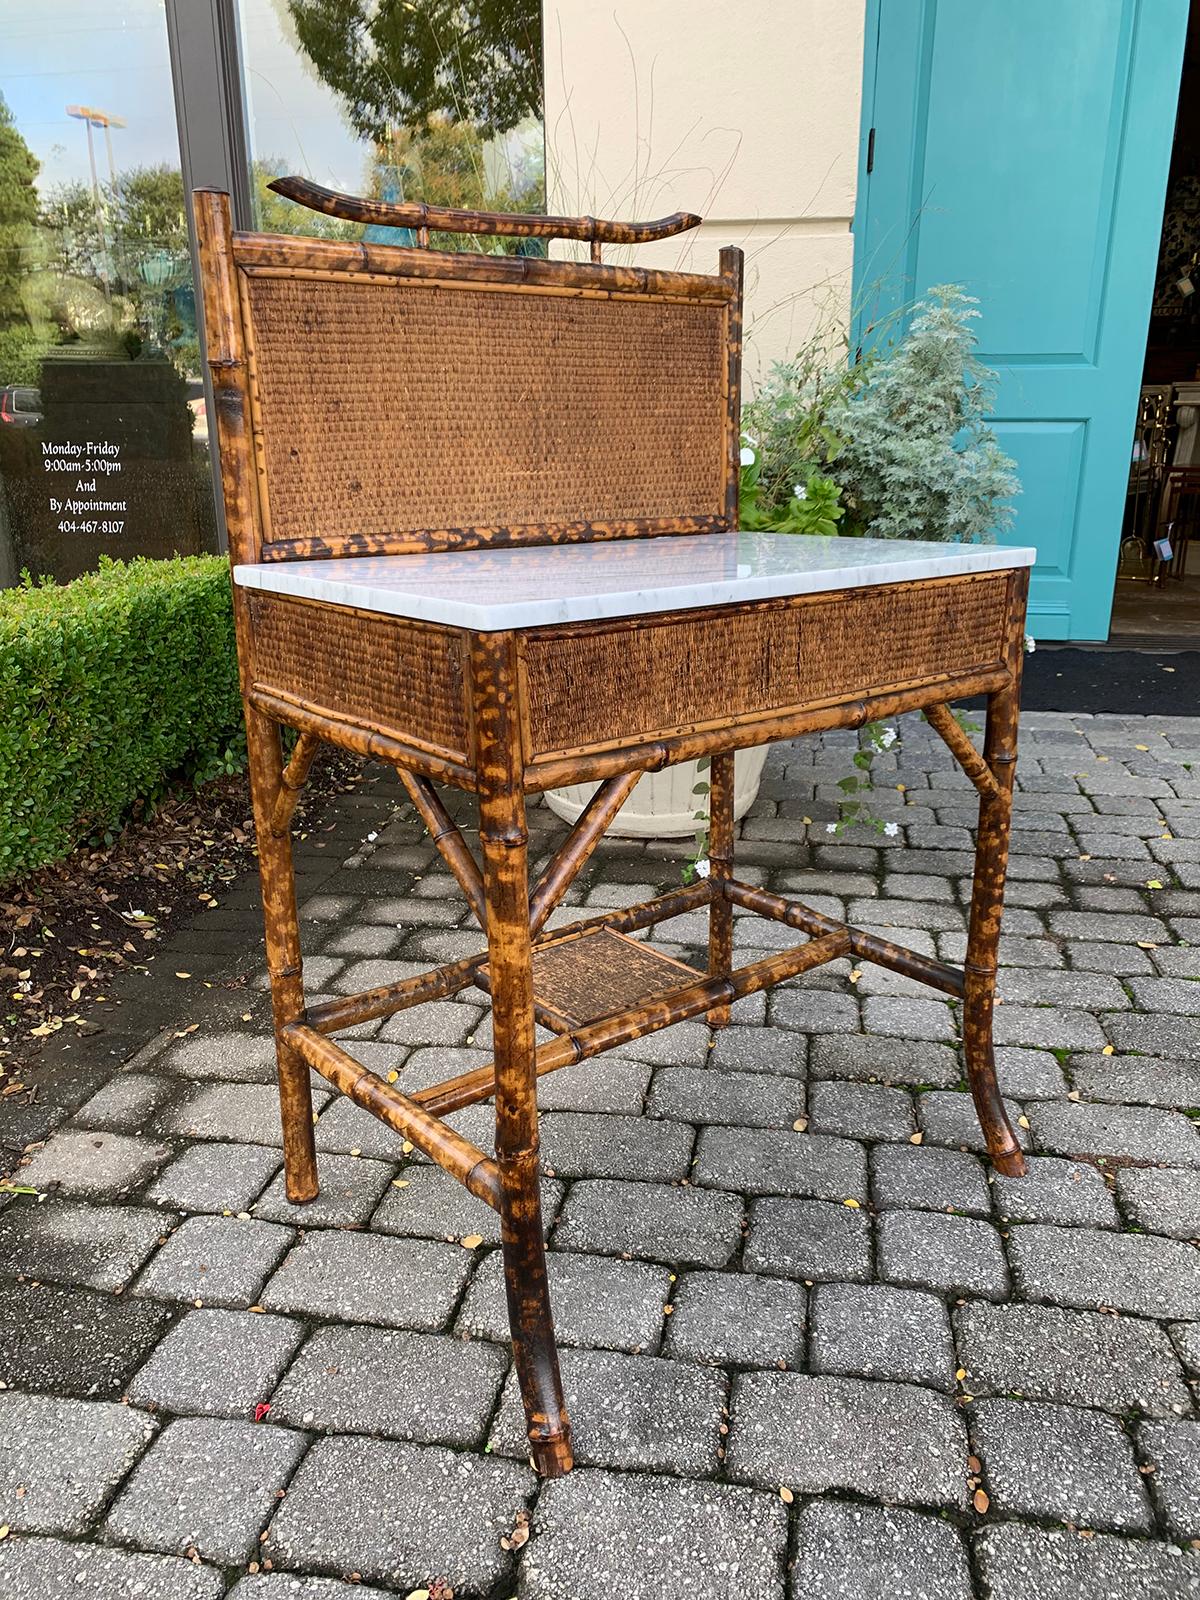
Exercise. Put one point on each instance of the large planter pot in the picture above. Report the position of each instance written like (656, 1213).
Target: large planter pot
(662, 805)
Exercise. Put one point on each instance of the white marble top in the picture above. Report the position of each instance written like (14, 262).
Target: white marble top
(536, 585)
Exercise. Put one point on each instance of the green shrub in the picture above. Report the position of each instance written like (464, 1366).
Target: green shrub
(110, 687)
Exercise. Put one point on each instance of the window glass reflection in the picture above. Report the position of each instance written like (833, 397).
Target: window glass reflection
(431, 100)
(103, 437)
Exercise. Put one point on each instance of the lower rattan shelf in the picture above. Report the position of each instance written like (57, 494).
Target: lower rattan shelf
(600, 973)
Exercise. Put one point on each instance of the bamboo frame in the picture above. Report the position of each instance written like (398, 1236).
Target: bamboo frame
(501, 765)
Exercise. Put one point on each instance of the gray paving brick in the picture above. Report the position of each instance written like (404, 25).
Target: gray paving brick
(1174, 1450)
(601, 1083)
(776, 1050)
(905, 1018)
(1083, 1358)
(1081, 991)
(436, 1022)
(861, 1057)
(638, 1412)
(231, 1056)
(1187, 1342)
(127, 1102)
(808, 1239)
(101, 1165)
(948, 1117)
(684, 1045)
(400, 1514)
(244, 1113)
(1029, 1074)
(286, 1586)
(950, 1253)
(1047, 1028)
(739, 1099)
(215, 1261)
(1054, 1190)
(600, 1534)
(585, 1144)
(888, 1441)
(344, 1127)
(1149, 1276)
(402, 1283)
(63, 1458)
(424, 1202)
(813, 1011)
(1144, 1080)
(611, 1305)
(730, 1319)
(1144, 1133)
(778, 1162)
(345, 1380)
(215, 1177)
(1120, 960)
(876, 1552)
(50, 1569)
(928, 1178)
(206, 1485)
(100, 1247)
(1161, 1200)
(870, 1330)
(1018, 1561)
(692, 1227)
(351, 1188)
(1178, 996)
(860, 1111)
(73, 1341)
(1059, 1461)
(1177, 1038)
(217, 1364)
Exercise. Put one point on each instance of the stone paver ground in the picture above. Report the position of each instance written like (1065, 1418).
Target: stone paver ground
(812, 1347)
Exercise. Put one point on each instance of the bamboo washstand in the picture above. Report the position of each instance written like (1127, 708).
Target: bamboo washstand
(440, 472)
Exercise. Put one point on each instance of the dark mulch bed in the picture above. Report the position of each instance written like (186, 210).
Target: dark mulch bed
(68, 930)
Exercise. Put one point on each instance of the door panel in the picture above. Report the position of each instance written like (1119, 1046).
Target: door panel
(1021, 149)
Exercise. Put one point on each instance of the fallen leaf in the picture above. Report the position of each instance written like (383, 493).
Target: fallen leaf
(915, 1138)
(392, 1076)
(399, 1183)
(852, 1203)
(183, 974)
(472, 1241)
(1074, 1095)
(1023, 1121)
(786, 1495)
(980, 1501)
(1141, 747)
(1107, 1050)
(800, 1124)
(1153, 883)
(1146, 944)
(974, 1465)
(961, 1374)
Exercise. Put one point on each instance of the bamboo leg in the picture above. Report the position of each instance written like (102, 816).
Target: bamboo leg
(504, 842)
(983, 937)
(720, 870)
(283, 956)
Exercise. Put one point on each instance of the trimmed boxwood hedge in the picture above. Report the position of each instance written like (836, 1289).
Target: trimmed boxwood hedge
(110, 688)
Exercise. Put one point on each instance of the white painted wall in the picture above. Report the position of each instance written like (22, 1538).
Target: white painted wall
(746, 111)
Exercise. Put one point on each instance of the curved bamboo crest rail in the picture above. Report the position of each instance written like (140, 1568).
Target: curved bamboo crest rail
(421, 218)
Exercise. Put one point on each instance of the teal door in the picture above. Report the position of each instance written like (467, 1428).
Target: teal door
(1020, 147)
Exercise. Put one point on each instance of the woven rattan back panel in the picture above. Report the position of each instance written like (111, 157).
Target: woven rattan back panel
(385, 673)
(414, 414)
(599, 686)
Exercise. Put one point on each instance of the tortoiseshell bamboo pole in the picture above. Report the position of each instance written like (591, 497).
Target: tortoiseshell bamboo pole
(444, 832)
(225, 350)
(457, 1155)
(720, 870)
(358, 740)
(897, 957)
(291, 784)
(941, 719)
(987, 900)
(504, 840)
(576, 849)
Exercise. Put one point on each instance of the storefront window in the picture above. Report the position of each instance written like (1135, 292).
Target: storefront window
(433, 100)
(103, 438)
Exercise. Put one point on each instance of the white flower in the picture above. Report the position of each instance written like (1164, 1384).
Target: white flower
(1030, 644)
(371, 837)
(891, 829)
(800, 491)
(703, 868)
(748, 438)
(831, 827)
(747, 457)
(887, 738)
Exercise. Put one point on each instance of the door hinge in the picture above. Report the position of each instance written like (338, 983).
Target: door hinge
(871, 151)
